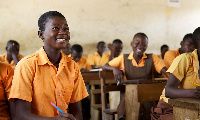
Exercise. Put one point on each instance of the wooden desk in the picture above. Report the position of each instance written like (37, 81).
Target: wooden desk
(138, 91)
(92, 78)
(108, 84)
(185, 108)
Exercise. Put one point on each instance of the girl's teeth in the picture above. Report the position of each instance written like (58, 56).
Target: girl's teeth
(60, 40)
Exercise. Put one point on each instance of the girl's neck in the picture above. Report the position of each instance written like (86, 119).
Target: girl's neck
(53, 55)
(116, 55)
(137, 57)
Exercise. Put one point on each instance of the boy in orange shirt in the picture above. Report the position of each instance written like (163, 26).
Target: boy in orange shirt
(163, 49)
(12, 56)
(6, 75)
(136, 65)
(115, 50)
(77, 52)
(48, 76)
(187, 45)
(95, 59)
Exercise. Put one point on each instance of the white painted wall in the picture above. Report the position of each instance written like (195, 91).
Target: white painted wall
(91, 21)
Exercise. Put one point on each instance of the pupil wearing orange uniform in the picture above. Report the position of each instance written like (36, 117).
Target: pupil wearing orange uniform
(12, 56)
(139, 66)
(6, 75)
(95, 59)
(184, 72)
(48, 76)
(186, 46)
(77, 52)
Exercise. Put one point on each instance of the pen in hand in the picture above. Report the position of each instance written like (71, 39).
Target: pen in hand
(57, 107)
(118, 82)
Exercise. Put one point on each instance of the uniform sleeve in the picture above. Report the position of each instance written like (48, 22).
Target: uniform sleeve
(168, 58)
(79, 90)
(90, 59)
(22, 81)
(158, 64)
(7, 81)
(117, 62)
(180, 66)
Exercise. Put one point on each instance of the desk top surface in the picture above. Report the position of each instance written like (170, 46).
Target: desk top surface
(190, 103)
(142, 81)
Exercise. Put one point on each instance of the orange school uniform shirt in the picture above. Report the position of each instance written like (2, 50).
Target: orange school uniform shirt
(83, 63)
(159, 56)
(3, 58)
(6, 74)
(119, 62)
(105, 59)
(94, 59)
(185, 68)
(38, 81)
(170, 55)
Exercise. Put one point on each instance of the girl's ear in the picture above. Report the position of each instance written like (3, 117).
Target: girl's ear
(40, 34)
(131, 43)
(181, 43)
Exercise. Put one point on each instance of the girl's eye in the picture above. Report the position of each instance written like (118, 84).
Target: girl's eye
(55, 28)
(66, 29)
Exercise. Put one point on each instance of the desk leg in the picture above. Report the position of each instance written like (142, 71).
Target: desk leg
(131, 102)
(92, 102)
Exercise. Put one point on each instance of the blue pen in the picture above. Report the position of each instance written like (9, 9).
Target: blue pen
(57, 107)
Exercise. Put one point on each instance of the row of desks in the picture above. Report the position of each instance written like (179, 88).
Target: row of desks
(137, 91)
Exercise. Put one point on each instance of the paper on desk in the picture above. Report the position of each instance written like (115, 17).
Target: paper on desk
(100, 69)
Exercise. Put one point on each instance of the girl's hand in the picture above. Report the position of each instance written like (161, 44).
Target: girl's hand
(117, 74)
(65, 116)
(196, 92)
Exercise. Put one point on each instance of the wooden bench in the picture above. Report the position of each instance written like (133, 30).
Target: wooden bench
(185, 108)
(139, 91)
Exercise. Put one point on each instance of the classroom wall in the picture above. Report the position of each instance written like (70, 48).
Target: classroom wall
(91, 21)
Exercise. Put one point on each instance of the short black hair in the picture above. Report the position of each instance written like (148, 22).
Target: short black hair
(117, 41)
(164, 46)
(187, 36)
(77, 48)
(11, 42)
(196, 37)
(140, 33)
(44, 18)
(101, 42)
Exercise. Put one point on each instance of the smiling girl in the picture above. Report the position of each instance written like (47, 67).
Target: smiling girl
(136, 65)
(48, 76)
